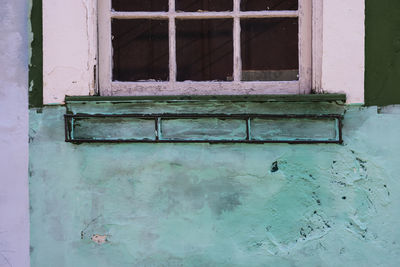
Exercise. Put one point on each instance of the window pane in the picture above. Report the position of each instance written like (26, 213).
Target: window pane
(204, 49)
(204, 5)
(254, 5)
(140, 5)
(270, 49)
(140, 49)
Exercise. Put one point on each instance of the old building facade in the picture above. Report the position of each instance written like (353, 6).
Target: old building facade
(231, 171)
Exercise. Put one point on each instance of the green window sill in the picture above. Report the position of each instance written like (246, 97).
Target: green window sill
(205, 119)
(340, 98)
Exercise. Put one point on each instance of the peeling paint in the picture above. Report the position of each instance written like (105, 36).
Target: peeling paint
(216, 205)
(99, 239)
(69, 72)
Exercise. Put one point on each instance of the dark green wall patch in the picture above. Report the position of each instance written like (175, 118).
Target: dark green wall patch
(36, 63)
(382, 52)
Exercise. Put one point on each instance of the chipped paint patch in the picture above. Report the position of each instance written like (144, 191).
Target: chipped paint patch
(216, 205)
(99, 239)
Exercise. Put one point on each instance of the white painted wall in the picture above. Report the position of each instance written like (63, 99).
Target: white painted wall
(70, 47)
(343, 48)
(14, 203)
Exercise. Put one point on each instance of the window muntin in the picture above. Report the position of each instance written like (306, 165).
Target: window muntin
(289, 72)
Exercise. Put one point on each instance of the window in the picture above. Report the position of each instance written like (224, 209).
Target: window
(204, 47)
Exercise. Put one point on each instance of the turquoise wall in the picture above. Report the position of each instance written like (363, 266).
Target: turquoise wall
(217, 205)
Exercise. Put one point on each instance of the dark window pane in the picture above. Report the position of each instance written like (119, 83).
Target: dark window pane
(270, 49)
(140, 5)
(204, 49)
(204, 5)
(254, 5)
(140, 50)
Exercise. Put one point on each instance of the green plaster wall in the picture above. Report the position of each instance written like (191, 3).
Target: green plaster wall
(382, 55)
(217, 205)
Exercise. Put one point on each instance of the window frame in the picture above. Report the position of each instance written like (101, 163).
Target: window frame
(309, 36)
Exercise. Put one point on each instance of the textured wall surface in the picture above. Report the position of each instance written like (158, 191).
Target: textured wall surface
(382, 33)
(14, 206)
(216, 205)
(69, 48)
(343, 48)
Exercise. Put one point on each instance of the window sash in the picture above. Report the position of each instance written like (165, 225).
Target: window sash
(235, 87)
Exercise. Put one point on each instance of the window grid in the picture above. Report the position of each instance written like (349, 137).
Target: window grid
(109, 87)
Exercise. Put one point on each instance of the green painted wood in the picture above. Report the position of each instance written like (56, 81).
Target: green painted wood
(202, 107)
(36, 61)
(203, 129)
(207, 128)
(382, 75)
(231, 98)
(305, 129)
(112, 129)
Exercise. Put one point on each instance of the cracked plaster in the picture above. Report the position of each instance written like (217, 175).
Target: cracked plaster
(217, 205)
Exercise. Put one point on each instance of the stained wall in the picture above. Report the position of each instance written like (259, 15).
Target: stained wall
(217, 205)
(14, 205)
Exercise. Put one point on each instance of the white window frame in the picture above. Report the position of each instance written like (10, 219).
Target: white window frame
(309, 14)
